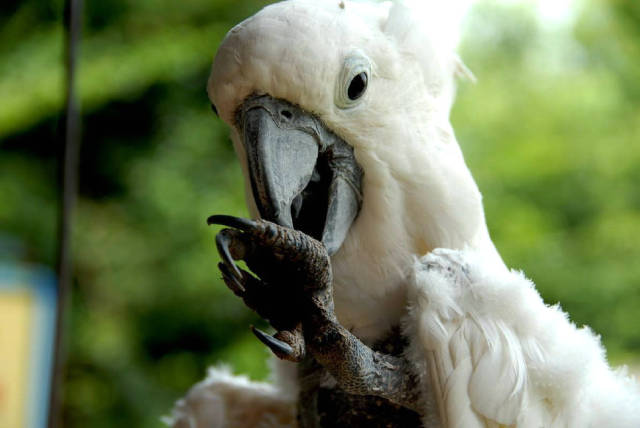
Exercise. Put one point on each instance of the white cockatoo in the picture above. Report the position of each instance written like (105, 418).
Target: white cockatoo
(339, 113)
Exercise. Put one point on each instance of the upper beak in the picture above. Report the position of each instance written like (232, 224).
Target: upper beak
(302, 175)
(281, 160)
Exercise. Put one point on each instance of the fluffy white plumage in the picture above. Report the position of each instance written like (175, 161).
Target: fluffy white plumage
(496, 355)
(490, 351)
(225, 400)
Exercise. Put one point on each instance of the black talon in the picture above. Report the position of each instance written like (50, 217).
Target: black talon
(243, 224)
(222, 242)
(231, 279)
(277, 346)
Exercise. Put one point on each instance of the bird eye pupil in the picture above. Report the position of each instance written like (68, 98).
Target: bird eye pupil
(357, 86)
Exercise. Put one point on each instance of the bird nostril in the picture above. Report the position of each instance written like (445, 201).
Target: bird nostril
(286, 114)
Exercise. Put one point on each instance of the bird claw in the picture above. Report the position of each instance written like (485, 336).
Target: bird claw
(231, 280)
(223, 241)
(286, 345)
(277, 346)
(290, 266)
(275, 253)
(243, 224)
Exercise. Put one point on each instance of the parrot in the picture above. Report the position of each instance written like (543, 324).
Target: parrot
(369, 246)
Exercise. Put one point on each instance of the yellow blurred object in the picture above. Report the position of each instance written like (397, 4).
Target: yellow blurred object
(16, 314)
(27, 321)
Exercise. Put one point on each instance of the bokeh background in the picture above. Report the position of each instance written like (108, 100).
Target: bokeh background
(551, 132)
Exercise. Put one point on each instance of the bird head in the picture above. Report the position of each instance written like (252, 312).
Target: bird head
(339, 113)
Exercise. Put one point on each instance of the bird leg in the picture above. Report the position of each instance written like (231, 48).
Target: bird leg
(358, 369)
(295, 294)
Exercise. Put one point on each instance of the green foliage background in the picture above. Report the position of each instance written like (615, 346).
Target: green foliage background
(551, 131)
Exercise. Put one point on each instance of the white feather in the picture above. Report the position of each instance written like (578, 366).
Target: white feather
(504, 357)
(223, 400)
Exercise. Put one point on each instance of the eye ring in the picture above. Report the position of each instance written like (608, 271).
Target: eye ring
(353, 80)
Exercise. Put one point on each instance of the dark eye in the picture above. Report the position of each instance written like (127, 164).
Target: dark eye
(215, 110)
(352, 82)
(357, 86)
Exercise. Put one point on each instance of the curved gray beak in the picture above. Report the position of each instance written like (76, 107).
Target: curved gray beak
(302, 175)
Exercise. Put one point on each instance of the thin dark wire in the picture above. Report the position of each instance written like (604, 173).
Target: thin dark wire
(68, 161)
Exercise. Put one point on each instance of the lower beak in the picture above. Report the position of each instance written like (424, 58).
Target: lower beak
(302, 175)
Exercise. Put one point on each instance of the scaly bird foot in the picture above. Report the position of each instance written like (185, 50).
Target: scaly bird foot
(293, 270)
(294, 292)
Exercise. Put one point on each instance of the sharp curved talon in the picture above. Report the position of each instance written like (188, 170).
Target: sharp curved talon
(222, 242)
(277, 346)
(231, 280)
(243, 224)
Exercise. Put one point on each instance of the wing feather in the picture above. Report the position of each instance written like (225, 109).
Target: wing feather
(480, 372)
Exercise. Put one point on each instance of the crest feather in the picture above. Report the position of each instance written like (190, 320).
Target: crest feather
(430, 32)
